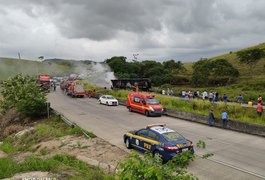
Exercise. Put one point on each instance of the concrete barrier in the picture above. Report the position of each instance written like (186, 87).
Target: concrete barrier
(239, 126)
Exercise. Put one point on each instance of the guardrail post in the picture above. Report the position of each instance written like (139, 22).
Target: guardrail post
(48, 104)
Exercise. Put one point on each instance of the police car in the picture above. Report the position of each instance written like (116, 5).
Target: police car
(158, 140)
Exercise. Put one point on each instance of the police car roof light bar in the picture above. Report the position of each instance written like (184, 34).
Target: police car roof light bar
(153, 125)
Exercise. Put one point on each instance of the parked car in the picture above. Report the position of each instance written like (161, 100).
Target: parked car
(108, 100)
(158, 140)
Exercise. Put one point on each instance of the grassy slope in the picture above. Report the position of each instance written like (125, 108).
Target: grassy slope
(10, 67)
(258, 72)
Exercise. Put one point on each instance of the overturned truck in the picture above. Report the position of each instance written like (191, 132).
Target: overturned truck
(143, 84)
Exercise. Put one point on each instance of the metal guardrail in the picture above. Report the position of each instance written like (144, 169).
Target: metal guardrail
(65, 119)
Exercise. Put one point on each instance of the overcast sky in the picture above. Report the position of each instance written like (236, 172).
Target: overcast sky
(184, 30)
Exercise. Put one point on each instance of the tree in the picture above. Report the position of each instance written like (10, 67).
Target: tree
(251, 57)
(173, 66)
(215, 72)
(22, 93)
(117, 64)
(201, 72)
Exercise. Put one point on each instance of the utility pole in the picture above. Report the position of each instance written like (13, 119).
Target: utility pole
(18, 55)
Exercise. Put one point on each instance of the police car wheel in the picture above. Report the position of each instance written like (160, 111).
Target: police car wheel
(127, 143)
(156, 154)
(100, 102)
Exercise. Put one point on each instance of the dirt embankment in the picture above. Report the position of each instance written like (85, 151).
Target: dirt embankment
(93, 151)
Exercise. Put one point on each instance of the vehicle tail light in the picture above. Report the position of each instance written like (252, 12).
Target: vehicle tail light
(171, 148)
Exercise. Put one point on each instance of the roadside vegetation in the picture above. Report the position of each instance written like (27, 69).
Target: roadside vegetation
(45, 130)
(67, 166)
(152, 168)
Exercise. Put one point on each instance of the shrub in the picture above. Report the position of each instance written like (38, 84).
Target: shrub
(21, 92)
(148, 167)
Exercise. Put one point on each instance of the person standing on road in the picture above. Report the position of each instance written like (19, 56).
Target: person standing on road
(54, 86)
(225, 118)
(211, 117)
(259, 109)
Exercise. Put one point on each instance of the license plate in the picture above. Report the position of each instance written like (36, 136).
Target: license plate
(185, 149)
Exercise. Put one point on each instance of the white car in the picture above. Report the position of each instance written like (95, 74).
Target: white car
(108, 100)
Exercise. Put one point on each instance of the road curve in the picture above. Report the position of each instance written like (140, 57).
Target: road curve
(236, 155)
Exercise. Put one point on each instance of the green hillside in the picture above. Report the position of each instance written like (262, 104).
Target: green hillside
(10, 67)
(259, 70)
(55, 67)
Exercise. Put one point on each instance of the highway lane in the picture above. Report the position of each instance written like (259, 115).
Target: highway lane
(236, 155)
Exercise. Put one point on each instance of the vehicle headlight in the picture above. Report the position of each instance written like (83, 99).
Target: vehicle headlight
(151, 108)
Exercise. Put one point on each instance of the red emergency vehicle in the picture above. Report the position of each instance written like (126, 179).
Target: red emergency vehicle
(144, 103)
(44, 82)
(76, 89)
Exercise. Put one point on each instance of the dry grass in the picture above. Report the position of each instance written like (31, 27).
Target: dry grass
(12, 129)
(12, 122)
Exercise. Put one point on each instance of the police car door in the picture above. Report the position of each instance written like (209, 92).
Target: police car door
(140, 139)
(152, 140)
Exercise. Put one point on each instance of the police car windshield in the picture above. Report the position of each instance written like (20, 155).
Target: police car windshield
(110, 97)
(151, 101)
(172, 136)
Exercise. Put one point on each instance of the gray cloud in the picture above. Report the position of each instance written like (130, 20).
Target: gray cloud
(157, 29)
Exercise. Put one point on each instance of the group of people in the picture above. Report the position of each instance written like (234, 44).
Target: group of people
(190, 94)
(212, 96)
(224, 118)
(224, 115)
(168, 92)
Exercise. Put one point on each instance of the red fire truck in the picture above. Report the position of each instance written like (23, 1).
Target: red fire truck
(44, 81)
(76, 89)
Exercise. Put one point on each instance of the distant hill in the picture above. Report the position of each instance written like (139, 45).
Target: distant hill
(10, 67)
(98, 73)
(259, 70)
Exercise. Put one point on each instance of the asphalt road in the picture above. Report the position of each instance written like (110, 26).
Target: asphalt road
(236, 155)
